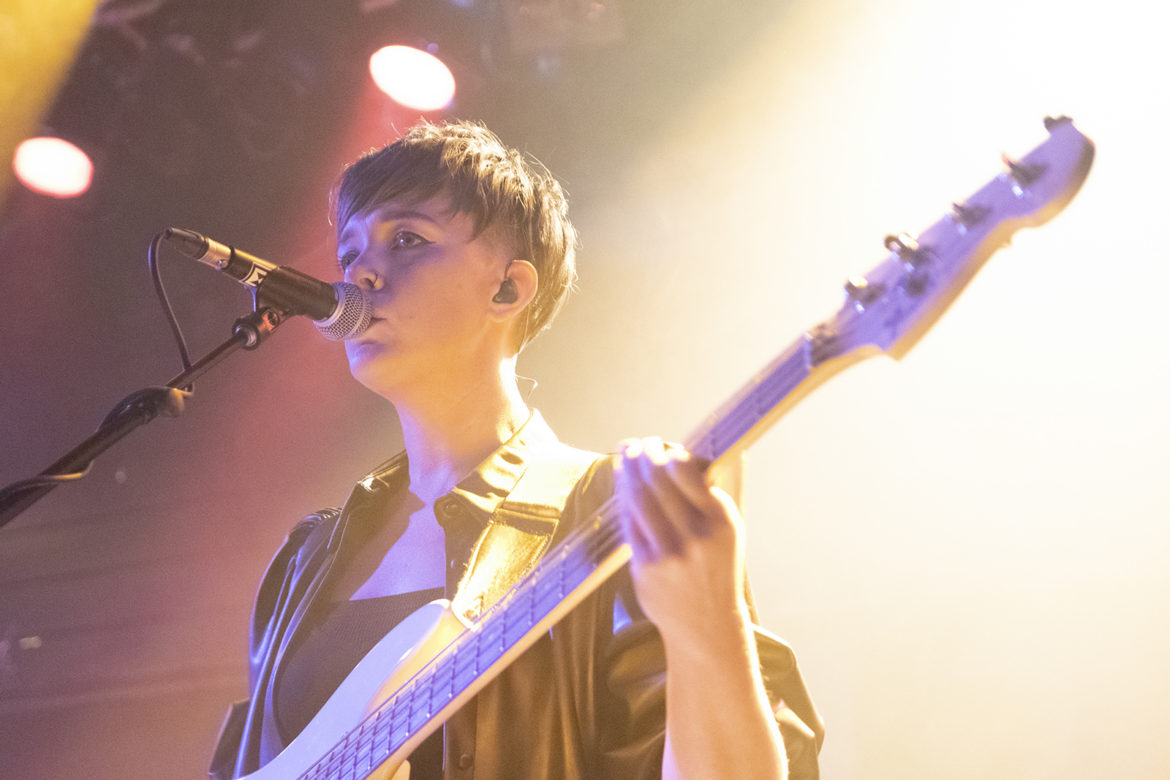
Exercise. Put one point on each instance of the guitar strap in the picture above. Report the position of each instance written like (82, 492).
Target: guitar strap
(521, 529)
(517, 535)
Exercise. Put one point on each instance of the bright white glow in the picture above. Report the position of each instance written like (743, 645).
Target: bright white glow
(988, 513)
(412, 77)
(53, 166)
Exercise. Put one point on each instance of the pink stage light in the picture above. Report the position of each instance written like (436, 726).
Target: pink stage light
(53, 166)
(412, 77)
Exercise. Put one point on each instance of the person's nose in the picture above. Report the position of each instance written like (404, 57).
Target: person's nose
(363, 273)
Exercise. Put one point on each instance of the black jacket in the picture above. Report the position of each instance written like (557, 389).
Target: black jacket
(587, 700)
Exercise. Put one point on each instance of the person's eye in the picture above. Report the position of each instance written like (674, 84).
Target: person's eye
(345, 260)
(404, 239)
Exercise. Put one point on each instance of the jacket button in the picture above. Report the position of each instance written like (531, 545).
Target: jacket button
(465, 761)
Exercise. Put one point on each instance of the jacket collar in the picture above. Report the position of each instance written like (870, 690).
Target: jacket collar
(488, 485)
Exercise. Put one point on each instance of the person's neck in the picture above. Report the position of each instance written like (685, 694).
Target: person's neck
(447, 434)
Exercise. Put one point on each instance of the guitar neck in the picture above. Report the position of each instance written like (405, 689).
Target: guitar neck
(767, 396)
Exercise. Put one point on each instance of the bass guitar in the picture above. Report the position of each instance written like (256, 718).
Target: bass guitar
(436, 660)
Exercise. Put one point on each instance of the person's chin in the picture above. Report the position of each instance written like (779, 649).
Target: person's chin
(364, 347)
(361, 357)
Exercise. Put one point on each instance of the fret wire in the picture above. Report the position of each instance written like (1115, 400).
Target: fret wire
(561, 574)
(337, 756)
(388, 741)
(340, 772)
(467, 678)
(412, 704)
(355, 756)
(365, 746)
(340, 765)
(403, 702)
(432, 691)
(468, 660)
(400, 734)
(336, 766)
(382, 725)
(475, 653)
(420, 720)
(454, 667)
(400, 719)
(426, 677)
(400, 705)
(352, 769)
(510, 635)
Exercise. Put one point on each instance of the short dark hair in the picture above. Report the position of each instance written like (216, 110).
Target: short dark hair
(505, 192)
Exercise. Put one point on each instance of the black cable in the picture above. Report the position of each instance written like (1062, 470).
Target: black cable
(40, 481)
(156, 276)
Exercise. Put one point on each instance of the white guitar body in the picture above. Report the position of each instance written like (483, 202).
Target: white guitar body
(406, 650)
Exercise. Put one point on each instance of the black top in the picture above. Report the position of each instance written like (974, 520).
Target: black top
(318, 664)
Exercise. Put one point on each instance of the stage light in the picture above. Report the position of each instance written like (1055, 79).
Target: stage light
(53, 166)
(412, 77)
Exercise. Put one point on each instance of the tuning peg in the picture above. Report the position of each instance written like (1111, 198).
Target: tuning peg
(861, 292)
(901, 242)
(1023, 174)
(905, 246)
(967, 216)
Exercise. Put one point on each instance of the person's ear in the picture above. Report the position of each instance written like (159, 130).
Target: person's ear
(517, 288)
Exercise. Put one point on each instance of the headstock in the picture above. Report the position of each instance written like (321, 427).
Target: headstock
(893, 305)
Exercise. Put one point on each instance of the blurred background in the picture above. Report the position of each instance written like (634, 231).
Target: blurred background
(966, 547)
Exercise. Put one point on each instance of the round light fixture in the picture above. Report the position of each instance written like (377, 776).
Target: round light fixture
(412, 77)
(53, 166)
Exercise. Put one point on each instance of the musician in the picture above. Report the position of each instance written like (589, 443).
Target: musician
(466, 252)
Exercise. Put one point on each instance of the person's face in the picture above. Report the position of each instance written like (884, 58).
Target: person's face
(430, 285)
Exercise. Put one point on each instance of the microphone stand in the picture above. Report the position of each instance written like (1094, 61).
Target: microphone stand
(136, 409)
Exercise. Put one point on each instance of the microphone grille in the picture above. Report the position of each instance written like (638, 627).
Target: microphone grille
(352, 315)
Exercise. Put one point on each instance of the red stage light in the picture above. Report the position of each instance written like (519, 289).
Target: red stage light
(53, 166)
(412, 77)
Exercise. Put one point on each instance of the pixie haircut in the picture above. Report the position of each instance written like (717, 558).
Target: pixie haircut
(509, 196)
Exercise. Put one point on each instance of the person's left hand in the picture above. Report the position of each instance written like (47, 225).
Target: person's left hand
(686, 537)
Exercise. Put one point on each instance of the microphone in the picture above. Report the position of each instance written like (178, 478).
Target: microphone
(341, 309)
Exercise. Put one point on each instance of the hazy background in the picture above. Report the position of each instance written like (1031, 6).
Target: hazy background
(967, 547)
